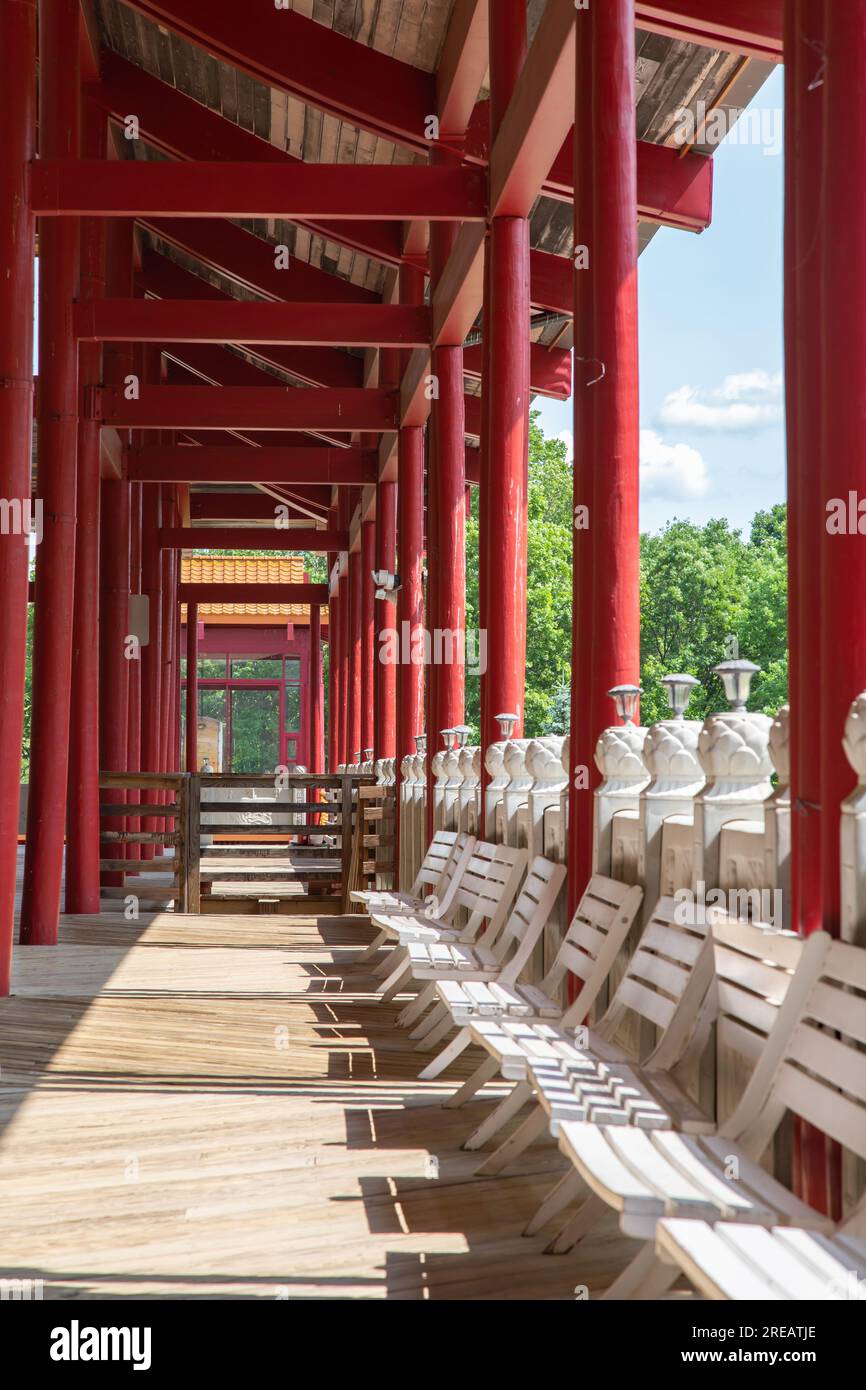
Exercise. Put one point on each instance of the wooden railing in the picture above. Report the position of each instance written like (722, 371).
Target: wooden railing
(130, 799)
(372, 862)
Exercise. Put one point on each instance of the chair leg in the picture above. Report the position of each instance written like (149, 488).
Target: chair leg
(442, 1022)
(533, 1126)
(486, 1072)
(374, 947)
(557, 1198)
(646, 1277)
(395, 982)
(429, 1024)
(586, 1216)
(414, 1010)
(385, 966)
(513, 1102)
(447, 1055)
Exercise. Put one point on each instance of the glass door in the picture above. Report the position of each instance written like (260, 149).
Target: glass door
(255, 728)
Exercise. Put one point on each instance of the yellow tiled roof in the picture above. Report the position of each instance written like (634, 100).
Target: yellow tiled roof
(234, 569)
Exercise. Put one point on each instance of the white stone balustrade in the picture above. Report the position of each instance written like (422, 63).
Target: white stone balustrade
(544, 766)
(451, 789)
(407, 828)
(617, 800)
(495, 765)
(515, 793)
(777, 813)
(469, 797)
(734, 754)
(440, 774)
(853, 829)
(670, 754)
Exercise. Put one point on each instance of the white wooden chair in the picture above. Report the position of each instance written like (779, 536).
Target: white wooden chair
(596, 934)
(816, 1074)
(666, 983)
(738, 1261)
(439, 906)
(484, 895)
(499, 954)
(443, 847)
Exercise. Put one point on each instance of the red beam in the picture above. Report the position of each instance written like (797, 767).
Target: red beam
(252, 593)
(240, 321)
(462, 66)
(241, 464)
(210, 362)
(216, 244)
(549, 367)
(750, 27)
(256, 538)
(184, 129)
(249, 506)
(246, 408)
(130, 188)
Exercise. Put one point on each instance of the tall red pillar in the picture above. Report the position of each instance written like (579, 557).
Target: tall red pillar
(410, 561)
(341, 714)
(18, 122)
(59, 271)
(368, 636)
(354, 643)
(607, 601)
(192, 687)
(133, 721)
(506, 415)
(81, 891)
(316, 728)
(151, 575)
(385, 732)
(841, 397)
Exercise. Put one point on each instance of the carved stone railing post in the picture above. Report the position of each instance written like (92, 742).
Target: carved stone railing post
(670, 753)
(777, 813)
(467, 800)
(544, 766)
(516, 792)
(451, 789)
(420, 812)
(407, 829)
(853, 829)
(618, 759)
(440, 772)
(494, 762)
(733, 749)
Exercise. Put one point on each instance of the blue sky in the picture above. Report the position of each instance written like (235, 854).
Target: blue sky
(711, 346)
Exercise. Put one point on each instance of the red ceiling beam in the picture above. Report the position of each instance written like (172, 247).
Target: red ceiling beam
(549, 369)
(257, 538)
(249, 506)
(750, 27)
(462, 66)
(133, 187)
(185, 129)
(241, 464)
(252, 593)
(246, 408)
(239, 321)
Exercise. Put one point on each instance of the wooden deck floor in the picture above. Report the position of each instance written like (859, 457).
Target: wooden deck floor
(213, 1107)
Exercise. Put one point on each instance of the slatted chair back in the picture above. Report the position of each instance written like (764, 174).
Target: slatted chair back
(666, 982)
(528, 917)
(487, 888)
(440, 853)
(443, 899)
(754, 966)
(813, 1061)
(595, 936)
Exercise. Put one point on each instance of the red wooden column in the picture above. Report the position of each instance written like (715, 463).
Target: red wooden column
(484, 718)
(59, 121)
(410, 561)
(368, 636)
(507, 415)
(81, 893)
(341, 714)
(842, 628)
(316, 727)
(18, 122)
(446, 549)
(354, 643)
(385, 714)
(169, 620)
(151, 571)
(192, 687)
(133, 735)
(607, 653)
(333, 668)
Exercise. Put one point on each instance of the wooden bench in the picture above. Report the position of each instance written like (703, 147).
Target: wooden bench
(801, 1067)
(667, 982)
(596, 934)
(483, 896)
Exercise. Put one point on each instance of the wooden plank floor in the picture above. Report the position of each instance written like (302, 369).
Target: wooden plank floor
(214, 1107)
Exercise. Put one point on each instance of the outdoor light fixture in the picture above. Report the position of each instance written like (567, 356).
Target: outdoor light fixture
(736, 677)
(387, 585)
(679, 691)
(420, 743)
(625, 698)
(368, 753)
(462, 732)
(447, 736)
(506, 724)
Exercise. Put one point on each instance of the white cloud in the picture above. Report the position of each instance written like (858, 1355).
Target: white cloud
(670, 470)
(568, 440)
(744, 401)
